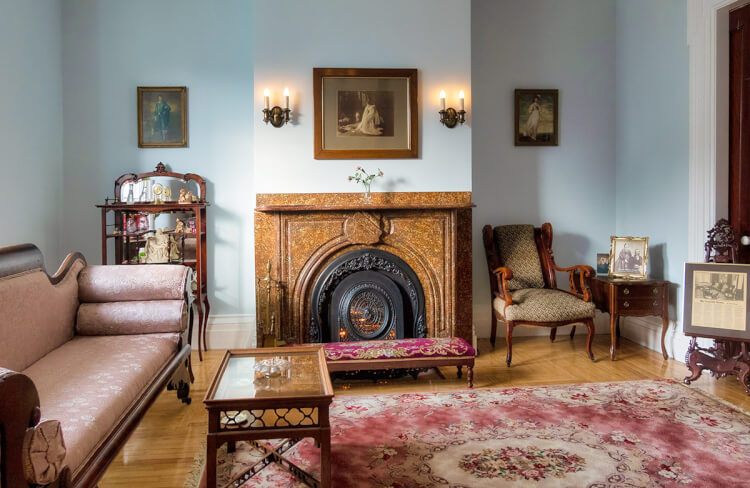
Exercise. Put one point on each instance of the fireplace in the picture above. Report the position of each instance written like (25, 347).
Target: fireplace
(366, 294)
(334, 266)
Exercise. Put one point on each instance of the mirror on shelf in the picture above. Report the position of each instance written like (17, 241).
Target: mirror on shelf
(157, 188)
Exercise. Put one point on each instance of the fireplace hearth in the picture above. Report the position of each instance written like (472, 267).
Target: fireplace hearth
(366, 294)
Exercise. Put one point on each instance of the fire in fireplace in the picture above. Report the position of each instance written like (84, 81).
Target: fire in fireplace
(367, 294)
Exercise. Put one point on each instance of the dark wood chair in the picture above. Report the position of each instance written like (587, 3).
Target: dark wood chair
(524, 286)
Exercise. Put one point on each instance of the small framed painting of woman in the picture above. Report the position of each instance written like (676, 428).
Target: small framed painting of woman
(365, 113)
(162, 116)
(536, 117)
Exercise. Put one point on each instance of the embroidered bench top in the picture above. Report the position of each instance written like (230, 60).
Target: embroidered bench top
(399, 348)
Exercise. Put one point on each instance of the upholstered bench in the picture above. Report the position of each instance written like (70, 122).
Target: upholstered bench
(401, 353)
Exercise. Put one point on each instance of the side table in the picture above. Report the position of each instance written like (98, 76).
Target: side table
(631, 298)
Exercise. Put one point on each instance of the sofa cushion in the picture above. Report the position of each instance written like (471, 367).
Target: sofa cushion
(129, 283)
(89, 382)
(118, 318)
(35, 315)
(544, 305)
(517, 249)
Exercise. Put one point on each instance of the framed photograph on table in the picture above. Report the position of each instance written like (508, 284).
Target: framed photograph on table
(536, 117)
(716, 300)
(162, 116)
(365, 113)
(628, 257)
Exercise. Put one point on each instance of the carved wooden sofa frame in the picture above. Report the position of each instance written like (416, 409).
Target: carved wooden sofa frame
(579, 281)
(20, 404)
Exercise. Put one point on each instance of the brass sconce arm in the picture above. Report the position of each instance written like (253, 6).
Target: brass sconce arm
(277, 116)
(450, 117)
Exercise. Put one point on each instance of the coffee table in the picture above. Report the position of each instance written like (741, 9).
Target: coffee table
(244, 405)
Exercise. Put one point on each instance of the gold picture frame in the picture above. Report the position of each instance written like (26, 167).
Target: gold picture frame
(162, 116)
(365, 113)
(628, 257)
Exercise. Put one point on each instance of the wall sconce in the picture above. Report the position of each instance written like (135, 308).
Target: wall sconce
(449, 117)
(277, 116)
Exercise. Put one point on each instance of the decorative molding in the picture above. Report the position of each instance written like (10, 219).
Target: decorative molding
(707, 170)
(230, 331)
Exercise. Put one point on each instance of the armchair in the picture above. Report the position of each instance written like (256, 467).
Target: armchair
(524, 285)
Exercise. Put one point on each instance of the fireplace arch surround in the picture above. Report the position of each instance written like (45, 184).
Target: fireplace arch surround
(367, 287)
(297, 236)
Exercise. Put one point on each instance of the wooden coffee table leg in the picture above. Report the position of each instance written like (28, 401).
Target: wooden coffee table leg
(210, 461)
(664, 327)
(325, 457)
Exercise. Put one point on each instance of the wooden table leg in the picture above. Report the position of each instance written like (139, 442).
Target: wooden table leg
(210, 461)
(325, 457)
(664, 327)
(613, 319)
(617, 329)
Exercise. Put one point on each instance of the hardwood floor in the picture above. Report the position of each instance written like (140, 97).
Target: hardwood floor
(161, 451)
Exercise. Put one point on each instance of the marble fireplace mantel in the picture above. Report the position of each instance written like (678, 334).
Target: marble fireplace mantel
(299, 234)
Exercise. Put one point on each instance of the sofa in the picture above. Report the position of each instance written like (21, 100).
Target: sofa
(83, 354)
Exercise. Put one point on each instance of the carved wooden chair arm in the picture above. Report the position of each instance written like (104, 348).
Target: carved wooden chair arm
(503, 275)
(582, 289)
(19, 419)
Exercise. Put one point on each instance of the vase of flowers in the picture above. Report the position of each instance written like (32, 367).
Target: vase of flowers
(365, 179)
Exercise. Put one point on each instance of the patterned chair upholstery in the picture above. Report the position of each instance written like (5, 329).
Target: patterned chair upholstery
(524, 284)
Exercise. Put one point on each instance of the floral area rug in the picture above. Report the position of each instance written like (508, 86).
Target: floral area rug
(598, 435)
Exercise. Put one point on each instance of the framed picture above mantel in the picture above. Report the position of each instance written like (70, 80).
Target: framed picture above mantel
(365, 113)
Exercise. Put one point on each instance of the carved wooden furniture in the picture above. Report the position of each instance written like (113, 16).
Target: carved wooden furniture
(192, 245)
(728, 355)
(631, 298)
(524, 286)
(84, 348)
(291, 406)
(404, 353)
(300, 235)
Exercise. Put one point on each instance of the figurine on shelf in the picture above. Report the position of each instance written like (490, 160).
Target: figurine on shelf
(167, 194)
(191, 198)
(174, 250)
(180, 227)
(183, 197)
(157, 248)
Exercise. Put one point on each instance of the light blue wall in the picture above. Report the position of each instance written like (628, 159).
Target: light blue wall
(544, 44)
(110, 48)
(430, 35)
(652, 133)
(31, 131)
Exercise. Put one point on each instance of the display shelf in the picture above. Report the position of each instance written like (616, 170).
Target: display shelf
(127, 245)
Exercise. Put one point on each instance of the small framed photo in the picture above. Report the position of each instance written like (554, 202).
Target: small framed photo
(628, 257)
(365, 113)
(162, 116)
(716, 300)
(536, 117)
(602, 263)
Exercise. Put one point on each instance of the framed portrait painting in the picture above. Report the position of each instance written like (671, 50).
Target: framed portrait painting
(365, 113)
(628, 257)
(162, 116)
(536, 117)
(716, 300)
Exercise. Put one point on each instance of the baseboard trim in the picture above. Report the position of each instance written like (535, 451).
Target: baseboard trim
(229, 331)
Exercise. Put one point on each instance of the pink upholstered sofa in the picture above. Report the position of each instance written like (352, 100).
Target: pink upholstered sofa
(83, 354)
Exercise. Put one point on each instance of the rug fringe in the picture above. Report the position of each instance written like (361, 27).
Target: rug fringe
(193, 479)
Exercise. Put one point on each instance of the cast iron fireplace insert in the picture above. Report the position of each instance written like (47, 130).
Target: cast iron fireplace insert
(367, 294)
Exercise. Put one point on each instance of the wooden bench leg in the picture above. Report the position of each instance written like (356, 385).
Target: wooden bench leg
(459, 372)
(470, 375)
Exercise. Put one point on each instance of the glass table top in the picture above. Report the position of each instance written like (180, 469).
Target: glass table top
(240, 380)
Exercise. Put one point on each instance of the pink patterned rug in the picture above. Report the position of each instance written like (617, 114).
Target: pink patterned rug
(598, 435)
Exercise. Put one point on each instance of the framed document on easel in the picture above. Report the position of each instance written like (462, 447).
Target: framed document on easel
(716, 307)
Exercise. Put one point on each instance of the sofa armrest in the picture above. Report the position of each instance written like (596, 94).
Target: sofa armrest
(135, 317)
(121, 283)
(19, 417)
